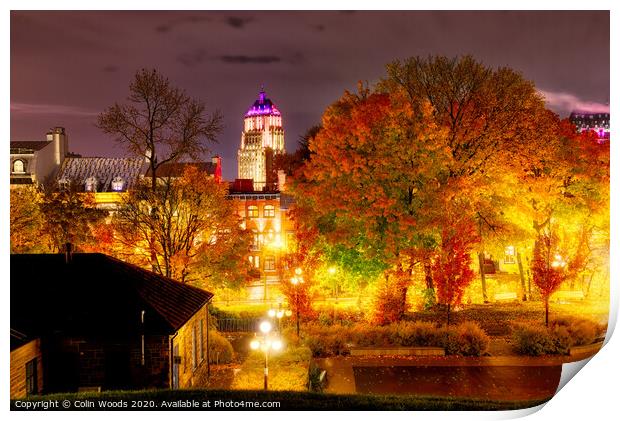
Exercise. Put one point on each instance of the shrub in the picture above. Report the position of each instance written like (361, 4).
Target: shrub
(450, 341)
(472, 339)
(533, 340)
(558, 338)
(561, 338)
(581, 331)
(220, 349)
(413, 334)
(364, 335)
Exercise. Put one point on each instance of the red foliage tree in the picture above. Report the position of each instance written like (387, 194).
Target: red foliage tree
(551, 266)
(451, 265)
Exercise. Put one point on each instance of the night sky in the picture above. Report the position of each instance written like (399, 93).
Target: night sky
(66, 67)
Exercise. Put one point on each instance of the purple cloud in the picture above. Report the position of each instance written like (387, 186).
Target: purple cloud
(568, 102)
(20, 108)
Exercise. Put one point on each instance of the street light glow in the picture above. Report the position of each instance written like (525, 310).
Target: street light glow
(265, 327)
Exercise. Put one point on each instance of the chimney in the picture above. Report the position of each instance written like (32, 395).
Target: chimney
(61, 143)
(68, 253)
(281, 180)
(217, 160)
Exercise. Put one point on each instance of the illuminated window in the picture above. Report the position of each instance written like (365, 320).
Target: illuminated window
(257, 262)
(255, 240)
(509, 255)
(118, 183)
(269, 211)
(270, 263)
(252, 211)
(90, 184)
(19, 167)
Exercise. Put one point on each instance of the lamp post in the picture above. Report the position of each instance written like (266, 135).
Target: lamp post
(296, 280)
(279, 314)
(266, 344)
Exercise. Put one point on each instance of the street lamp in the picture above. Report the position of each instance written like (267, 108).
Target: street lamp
(296, 280)
(279, 314)
(266, 343)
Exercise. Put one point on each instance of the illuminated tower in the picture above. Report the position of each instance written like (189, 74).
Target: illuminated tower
(262, 138)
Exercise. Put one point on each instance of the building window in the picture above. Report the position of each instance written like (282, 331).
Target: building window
(194, 353)
(19, 167)
(64, 184)
(252, 211)
(257, 262)
(269, 211)
(509, 255)
(270, 263)
(255, 241)
(118, 183)
(90, 184)
(202, 342)
(31, 378)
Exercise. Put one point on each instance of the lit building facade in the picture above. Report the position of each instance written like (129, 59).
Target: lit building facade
(262, 138)
(266, 215)
(596, 122)
(37, 162)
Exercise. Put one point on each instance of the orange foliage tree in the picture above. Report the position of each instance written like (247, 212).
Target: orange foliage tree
(195, 235)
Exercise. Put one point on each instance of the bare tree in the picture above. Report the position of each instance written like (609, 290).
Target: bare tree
(160, 122)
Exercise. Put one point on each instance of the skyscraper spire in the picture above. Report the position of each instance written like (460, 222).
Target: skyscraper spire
(261, 139)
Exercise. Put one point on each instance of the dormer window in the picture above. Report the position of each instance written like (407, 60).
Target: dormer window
(118, 184)
(90, 184)
(19, 167)
(63, 184)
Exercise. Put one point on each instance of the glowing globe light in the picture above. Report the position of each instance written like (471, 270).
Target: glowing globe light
(271, 312)
(254, 344)
(276, 345)
(265, 327)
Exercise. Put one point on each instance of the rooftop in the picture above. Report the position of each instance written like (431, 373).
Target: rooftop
(176, 169)
(103, 170)
(262, 106)
(95, 294)
(33, 145)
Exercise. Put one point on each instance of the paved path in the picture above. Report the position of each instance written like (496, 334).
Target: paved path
(503, 378)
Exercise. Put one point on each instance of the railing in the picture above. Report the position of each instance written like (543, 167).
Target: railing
(237, 325)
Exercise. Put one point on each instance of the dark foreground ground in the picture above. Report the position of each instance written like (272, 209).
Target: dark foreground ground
(258, 400)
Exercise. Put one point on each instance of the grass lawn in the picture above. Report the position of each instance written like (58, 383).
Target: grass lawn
(496, 318)
(288, 370)
(287, 400)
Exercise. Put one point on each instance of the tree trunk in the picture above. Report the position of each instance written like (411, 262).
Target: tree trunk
(403, 302)
(483, 281)
(428, 279)
(448, 314)
(521, 276)
(547, 311)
